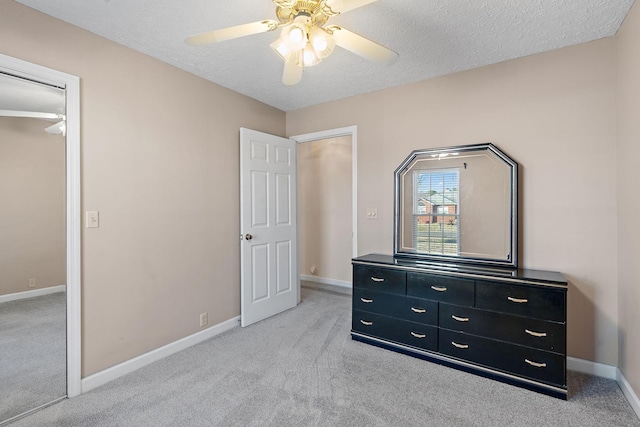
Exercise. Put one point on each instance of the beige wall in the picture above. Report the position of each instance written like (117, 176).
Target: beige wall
(160, 156)
(32, 200)
(554, 113)
(628, 61)
(325, 208)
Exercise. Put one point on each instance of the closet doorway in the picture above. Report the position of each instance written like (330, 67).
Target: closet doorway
(327, 205)
(40, 237)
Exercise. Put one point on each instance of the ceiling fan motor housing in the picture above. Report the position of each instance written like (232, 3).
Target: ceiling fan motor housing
(317, 11)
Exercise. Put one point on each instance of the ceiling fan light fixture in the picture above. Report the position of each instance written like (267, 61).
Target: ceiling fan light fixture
(309, 56)
(282, 49)
(322, 42)
(295, 34)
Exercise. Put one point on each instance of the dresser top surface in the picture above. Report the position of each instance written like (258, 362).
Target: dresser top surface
(539, 276)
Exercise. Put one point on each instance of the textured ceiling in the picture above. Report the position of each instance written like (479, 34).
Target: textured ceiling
(433, 38)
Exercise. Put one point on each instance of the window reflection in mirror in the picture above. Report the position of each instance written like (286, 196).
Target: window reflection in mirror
(435, 211)
(457, 203)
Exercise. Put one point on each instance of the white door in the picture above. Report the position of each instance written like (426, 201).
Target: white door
(269, 261)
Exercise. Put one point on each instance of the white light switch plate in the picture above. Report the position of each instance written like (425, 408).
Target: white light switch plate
(372, 213)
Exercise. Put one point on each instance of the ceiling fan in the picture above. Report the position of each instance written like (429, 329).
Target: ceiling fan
(305, 38)
(59, 128)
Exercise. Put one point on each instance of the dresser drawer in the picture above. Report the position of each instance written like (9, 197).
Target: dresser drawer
(380, 279)
(531, 363)
(539, 303)
(440, 288)
(525, 331)
(377, 302)
(399, 306)
(409, 333)
(420, 311)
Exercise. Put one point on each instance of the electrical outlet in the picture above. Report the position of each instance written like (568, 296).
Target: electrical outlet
(32, 283)
(93, 219)
(204, 319)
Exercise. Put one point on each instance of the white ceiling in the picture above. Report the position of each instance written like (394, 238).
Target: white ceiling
(433, 38)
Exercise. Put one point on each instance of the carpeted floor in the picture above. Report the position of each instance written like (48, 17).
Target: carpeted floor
(33, 349)
(301, 368)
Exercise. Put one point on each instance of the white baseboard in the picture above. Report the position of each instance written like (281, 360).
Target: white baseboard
(325, 281)
(609, 372)
(629, 393)
(110, 374)
(592, 368)
(30, 294)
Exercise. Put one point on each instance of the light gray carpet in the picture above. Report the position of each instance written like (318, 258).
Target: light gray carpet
(301, 368)
(33, 362)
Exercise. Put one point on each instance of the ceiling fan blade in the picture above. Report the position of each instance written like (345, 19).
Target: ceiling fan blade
(344, 6)
(31, 114)
(362, 46)
(59, 128)
(292, 73)
(232, 33)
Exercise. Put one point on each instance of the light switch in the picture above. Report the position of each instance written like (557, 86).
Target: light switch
(93, 219)
(372, 213)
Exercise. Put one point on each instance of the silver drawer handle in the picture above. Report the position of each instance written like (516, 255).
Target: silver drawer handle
(439, 288)
(536, 334)
(537, 365)
(418, 310)
(365, 323)
(518, 300)
(417, 335)
(460, 319)
(366, 301)
(455, 344)
(377, 279)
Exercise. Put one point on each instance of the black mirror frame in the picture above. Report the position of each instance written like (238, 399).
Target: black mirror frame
(511, 261)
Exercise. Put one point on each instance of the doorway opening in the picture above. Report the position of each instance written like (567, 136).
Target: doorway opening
(327, 205)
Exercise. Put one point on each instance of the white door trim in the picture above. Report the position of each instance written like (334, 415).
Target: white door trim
(71, 83)
(334, 133)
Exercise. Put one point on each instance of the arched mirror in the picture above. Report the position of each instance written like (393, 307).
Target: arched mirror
(33, 245)
(457, 204)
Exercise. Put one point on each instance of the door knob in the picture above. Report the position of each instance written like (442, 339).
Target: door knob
(248, 237)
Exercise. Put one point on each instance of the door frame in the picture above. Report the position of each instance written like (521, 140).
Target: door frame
(71, 83)
(335, 133)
